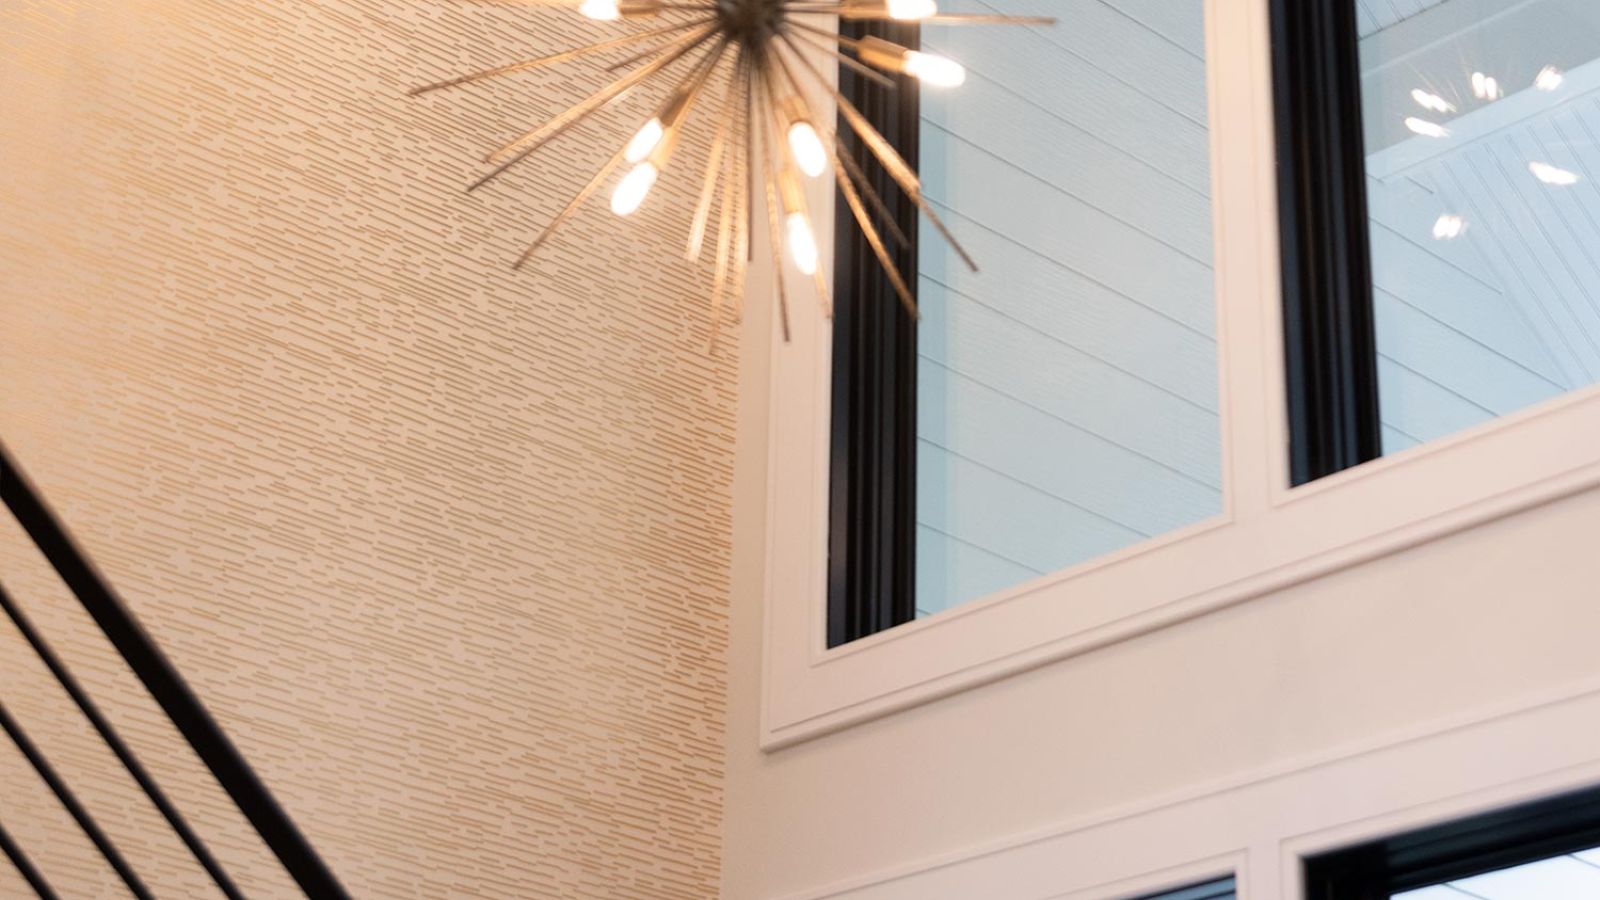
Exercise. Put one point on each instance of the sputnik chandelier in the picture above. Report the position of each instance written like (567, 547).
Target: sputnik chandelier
(769, 48)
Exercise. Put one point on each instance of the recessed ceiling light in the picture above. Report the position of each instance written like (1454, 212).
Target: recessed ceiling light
(1449, 227)
(1485, 87)
(1552, 175)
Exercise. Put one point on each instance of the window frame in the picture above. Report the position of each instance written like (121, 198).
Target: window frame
(1271, 533)
(873, 474)
(1461, 848)
(1330, 342)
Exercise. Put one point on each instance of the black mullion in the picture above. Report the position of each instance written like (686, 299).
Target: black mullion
(1330, 350)
(872, 497)
(1454, 850)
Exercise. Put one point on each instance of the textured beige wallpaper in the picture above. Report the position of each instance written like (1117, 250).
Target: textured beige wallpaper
(444, 546)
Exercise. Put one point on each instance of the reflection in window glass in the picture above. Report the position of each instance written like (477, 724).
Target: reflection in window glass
(1482, 123)
(1067, 393)
(1575, 876)
(1213, 890)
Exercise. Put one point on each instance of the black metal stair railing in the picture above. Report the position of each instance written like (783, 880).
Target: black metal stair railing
(175, 698)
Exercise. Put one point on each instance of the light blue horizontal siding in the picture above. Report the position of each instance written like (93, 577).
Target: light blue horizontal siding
(1113, 42)
(951, 571)
(1067, 391)
(997, 123)
(1007, 517)
(1057, 457)
(1071, 88)
(1022, 363)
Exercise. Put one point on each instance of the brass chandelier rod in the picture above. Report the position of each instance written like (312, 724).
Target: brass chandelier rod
(719, 140)
(846, 61)
(695, 80)
(791, 195)
(595, 101)
(853, 184)
(890, 159)
(764, 136)
(555, 58)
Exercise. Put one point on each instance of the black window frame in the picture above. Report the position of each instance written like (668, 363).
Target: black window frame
(1330, 349)
(1475, 845)
(872, 517)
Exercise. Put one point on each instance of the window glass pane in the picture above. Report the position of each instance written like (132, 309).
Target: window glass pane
(1067, 393)
(1481, 121)
(1222, 889)
(1575, 876)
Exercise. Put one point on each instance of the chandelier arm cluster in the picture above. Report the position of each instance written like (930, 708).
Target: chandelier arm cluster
(859, 68)
(891, 160)
(708, 187)
(732, 199)
(765, 135)
(531, 140)
(797, 218)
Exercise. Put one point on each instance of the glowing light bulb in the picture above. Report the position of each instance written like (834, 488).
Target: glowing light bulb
(1432, 102)
(807, 148)
(1485, 87)
(1550, 78)
(1449, 227)
(644, 141)
(1551, 175)
(934, 70)
(601, 10)
(633, 187)
(802, 243)
(1426, 128)
(912, 9)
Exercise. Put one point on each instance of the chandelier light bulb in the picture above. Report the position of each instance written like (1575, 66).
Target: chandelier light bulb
(1550, 79)
(633, 187)
(934, 70)
(746, 63)
(1485, 87)
(807, 148)
(912, 10)
(1426, 128)
(802, 243)
(1448, 227)
(601, 10)
(645, 140)
(1432, 102)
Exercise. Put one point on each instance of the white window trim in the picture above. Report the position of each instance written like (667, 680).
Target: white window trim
(1260, 825)
(1268, 536)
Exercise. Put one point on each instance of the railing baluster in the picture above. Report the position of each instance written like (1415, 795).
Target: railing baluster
(25, 867)
(168, 688)
(121, 749)
(81, 815)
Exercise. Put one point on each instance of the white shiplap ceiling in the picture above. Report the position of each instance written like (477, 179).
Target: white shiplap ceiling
(1373, 16)
(1537, 245)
